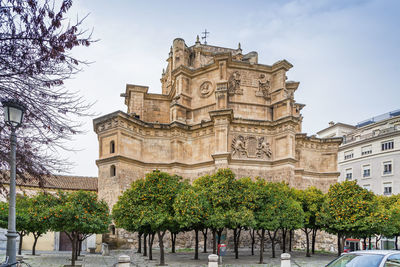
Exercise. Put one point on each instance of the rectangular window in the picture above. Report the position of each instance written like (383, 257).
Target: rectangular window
(367, 186)
(387, 189)
(349, 174)
(366, 171)
(387, 167)
(366, 150)
(348, 154)
(387, 145)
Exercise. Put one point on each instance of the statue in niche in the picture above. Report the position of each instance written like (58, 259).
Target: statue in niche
(234, 84)
(263, 86)
(206, 89)
(263, 149)
(239, 146)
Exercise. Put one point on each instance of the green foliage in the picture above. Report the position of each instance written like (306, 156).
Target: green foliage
(79, 212)
(348, 209)
(311, 200)
(191, 209)
(276, 207)
(32, 213)
(219, 189)
(148, 205)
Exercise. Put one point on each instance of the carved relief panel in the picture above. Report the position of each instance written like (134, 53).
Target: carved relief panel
(206, 89)
(250, 147)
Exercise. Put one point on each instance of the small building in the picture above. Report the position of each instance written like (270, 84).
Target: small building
(54, 241)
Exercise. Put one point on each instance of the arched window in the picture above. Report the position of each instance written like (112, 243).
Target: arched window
(113, 171)
(112, 147)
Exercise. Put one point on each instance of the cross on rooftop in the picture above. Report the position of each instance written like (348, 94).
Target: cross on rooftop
(205, 36)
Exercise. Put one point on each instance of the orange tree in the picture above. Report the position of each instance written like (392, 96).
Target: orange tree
(128, 211)
(219, 189)
(191, 212)
(291, 214)
(152, 206)
(311, 200)
(393, 205)
(22, 217)
(38, 212)
(79, 214)
(347, 210)
(241, 215)
(275, 209)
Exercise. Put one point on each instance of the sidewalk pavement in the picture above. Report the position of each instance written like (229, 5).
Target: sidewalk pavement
(179, 259)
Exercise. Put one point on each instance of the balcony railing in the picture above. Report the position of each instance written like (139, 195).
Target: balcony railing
(353, 138)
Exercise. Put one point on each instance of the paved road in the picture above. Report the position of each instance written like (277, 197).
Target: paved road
(179, 259)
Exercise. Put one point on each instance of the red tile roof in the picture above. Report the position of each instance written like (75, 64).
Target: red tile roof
(64, 182)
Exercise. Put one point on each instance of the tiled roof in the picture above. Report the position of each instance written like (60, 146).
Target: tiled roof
(62, 182)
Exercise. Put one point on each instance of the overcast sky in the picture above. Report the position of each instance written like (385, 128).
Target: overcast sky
(345, 53)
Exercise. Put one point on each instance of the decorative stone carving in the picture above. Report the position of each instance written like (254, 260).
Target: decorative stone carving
(263, 86)
(234, 84)
(206, 89)
(250, 147)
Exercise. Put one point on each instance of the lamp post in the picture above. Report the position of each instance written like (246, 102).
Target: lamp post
(13, 114)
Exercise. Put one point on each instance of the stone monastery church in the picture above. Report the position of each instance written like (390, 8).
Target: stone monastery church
(219, 108)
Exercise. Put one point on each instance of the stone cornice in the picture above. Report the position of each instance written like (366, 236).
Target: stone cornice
(218, 156)
(257, 162)
(221, 113)
(120, 119)
(314, 139)
(317, 174)
(152, 164)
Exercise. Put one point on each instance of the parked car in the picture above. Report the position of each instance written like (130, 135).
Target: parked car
(368, 258)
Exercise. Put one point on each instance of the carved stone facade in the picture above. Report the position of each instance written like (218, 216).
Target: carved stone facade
(219, 108)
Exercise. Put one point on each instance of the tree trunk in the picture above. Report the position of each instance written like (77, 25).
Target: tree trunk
(36, 237)
(364, 243)
(307, 232)
(290, 240)
(151, 239)
(219, 232)
(339, 249)
(253, 240)
(343, 243)
(262, 237)
(139, 243)
(73, 249)
(161, 245)
(236, 239)
(21, 237)
(313, 239)
(395, 242)
(205, 240)
(145, 245)
(272, 237)
(369, 243)
(196, 246)
(173, 239)
(214, 241)
(79, 248)
(377, 241)
(284, 231)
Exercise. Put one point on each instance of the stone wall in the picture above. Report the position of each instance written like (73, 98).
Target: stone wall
(126, 240)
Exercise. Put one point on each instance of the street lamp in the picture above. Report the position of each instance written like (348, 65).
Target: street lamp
(13, 114)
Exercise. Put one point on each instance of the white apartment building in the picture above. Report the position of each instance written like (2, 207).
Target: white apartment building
(370, 152)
